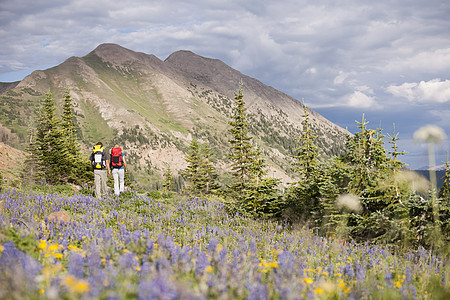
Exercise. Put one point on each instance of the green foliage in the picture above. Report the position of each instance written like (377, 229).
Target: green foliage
(55, 155)
(250, 192)
(200, 170)
(242, 154)
(444, 193)
(168, 180)
(304, 198)
(307, 153)
(396, 163)
(365, 195)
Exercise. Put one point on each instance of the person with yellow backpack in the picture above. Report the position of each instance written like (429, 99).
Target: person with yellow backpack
(100, 165)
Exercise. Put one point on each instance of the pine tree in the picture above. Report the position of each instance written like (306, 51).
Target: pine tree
(307, 153)
(50, 141)
(193, 171)
(304, 197)
(200, 170)
(78, 167)
(444, 193)
(396, 163)
(242, 153)
(384, 215)
(251, 192)
(168, 180)
(444, 198)
(208, 170)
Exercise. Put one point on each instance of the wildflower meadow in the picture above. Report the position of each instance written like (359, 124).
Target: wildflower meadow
(134, 247)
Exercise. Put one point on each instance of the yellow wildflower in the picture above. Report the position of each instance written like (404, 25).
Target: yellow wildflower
(318, 291)
(52, 247)
(308, 280)
(397, 284)
(208, 269)
(76, 285)
(1, 248)
(42, 245)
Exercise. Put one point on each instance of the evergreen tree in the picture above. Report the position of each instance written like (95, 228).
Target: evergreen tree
(200, 170)
(396, 163)
(384, 215)
(307, 153)
(77, 166)
(304, 196)
(193, 171)
(251, 192)
(52, 151)
(208, 170)
(444, 193)
(242, 153)
(168, 180)
(444, 198)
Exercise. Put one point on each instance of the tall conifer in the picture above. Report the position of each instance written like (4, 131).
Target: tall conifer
(50, 141)
(251, 191)
(242, 153)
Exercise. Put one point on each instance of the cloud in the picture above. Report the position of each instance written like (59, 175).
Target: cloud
(434, 90)
(338, 57)
(360, 100)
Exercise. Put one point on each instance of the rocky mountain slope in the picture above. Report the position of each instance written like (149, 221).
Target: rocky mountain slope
(154, 108)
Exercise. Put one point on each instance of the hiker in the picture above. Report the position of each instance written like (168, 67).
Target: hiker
(100, 164)
(119, 167)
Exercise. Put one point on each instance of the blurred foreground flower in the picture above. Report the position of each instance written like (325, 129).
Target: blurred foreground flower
(75, 284)
(417, 182)
(430, 134)
(349, 201)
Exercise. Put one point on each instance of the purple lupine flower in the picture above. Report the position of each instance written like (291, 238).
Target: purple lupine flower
(158, 288)
(258, 291)
(202, 263)
(76, 265)
(150, 246)
(18, 269)
(348, 270)
(388, 276)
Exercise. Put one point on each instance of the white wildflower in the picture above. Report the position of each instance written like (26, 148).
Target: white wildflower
(415, 181)
(349, 201)
(430, 134)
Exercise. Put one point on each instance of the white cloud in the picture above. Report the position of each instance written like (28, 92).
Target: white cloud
(360, 100)
(425, 91)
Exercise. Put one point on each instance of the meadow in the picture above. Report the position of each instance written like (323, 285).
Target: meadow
(135, 247)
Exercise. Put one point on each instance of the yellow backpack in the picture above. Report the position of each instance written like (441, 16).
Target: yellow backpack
(98, 161)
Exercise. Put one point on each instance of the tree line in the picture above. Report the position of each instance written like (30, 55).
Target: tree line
(365, 193)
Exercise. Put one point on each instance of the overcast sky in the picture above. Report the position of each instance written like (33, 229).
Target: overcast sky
(387, 59)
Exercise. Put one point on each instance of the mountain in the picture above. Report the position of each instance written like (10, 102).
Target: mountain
(155, 108)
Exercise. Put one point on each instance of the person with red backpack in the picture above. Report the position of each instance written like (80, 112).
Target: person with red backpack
(119, 167)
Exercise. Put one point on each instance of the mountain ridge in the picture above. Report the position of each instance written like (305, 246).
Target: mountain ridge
(123, 95)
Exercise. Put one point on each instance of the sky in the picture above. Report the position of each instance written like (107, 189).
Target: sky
(388, 60)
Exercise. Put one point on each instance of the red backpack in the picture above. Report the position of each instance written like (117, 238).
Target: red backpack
(116, 158)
